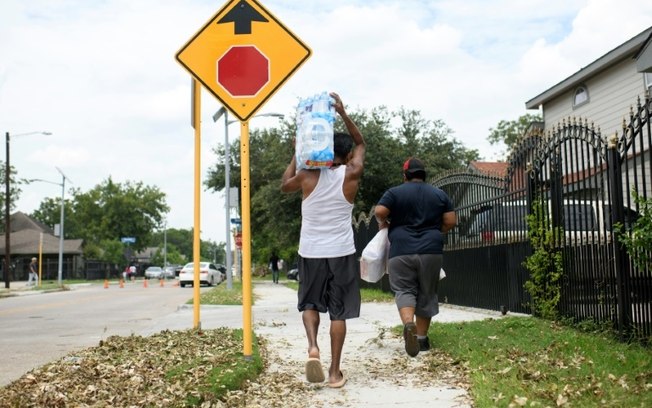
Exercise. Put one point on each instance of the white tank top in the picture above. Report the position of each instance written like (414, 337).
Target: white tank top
(326, 230)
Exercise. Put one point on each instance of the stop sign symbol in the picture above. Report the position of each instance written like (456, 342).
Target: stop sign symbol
(243, 70)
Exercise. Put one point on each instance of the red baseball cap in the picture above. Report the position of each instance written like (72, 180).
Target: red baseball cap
(413, 165)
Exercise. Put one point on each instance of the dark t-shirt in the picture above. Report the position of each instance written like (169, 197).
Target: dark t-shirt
(273, 261)
(416, 211)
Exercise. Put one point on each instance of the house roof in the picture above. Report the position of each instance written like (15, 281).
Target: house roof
(490, 168)
(626, 50)
(644, 57)
(25, 238)
(21, 221)
(27, 242)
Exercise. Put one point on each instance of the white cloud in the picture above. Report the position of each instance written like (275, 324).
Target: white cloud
(101, 75)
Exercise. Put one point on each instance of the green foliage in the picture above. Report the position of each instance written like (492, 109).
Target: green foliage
(375, 295)
(545, 264)
(534, 362)
(14, 189)
(112, 251)
(106, 213)
(49, 213)
(220, 295)
(391, 137)
(180, 247)
(638, 241)
(180, 240)
(507, 132)
(173, 257)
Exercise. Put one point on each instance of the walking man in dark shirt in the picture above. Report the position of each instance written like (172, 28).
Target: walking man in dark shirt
(417, 215)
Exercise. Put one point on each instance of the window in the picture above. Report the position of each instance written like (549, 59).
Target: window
(579, 217)
(581, 96)
(648, 81)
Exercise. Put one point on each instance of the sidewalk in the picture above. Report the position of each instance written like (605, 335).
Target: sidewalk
(15, 288)
(378, 370)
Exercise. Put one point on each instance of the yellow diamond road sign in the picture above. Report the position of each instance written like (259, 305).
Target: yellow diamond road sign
(243, 55)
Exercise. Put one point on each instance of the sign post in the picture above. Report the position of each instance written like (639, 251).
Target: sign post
(243, 55)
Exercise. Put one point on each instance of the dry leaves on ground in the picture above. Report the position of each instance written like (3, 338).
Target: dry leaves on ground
(166, 369)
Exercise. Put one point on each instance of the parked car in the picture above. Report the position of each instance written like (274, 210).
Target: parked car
(153, 272)
(209, 274)
(293, 274)
(169, 272)
(584, 221)
(222, 270)
(177, 270)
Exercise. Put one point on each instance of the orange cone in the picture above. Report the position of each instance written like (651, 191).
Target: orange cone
(106, 283)
(144, 283)
(162, 282)
(122, 283)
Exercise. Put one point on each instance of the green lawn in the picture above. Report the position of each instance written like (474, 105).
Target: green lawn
(523, 361)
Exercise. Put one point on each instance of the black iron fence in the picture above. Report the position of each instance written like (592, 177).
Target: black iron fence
(582, 183)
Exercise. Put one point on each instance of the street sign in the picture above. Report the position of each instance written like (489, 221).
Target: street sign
(243, 55)
(128, 240)
(238, 240)
(236, 221)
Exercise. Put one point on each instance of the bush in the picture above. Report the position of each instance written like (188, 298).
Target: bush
(638, 240)
(545, 264)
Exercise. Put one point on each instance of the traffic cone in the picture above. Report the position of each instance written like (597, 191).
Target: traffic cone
(144, 283)
(122, 283)
(176, 283)
(162, 282)
(106, 283)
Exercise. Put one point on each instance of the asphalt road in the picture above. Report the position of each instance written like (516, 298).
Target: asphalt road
(36, 329)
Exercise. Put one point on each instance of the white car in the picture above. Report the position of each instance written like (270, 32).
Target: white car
(153, 272)
(209, 274)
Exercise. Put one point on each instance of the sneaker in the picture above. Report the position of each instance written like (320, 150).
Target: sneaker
(424, 344)
(410, 337)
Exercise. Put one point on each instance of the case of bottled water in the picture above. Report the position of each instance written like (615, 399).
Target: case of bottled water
(314, 141)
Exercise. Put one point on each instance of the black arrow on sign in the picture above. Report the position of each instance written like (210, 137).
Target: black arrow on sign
(242, 15)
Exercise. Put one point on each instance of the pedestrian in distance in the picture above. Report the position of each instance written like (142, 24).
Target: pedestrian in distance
(32, 279)
(328, 268)
(273, 265)
(417, 215)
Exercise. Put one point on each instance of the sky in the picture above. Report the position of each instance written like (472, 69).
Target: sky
(101, 76)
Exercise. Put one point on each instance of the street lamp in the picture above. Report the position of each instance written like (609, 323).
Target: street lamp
(7, 203)
(165, 244)
(61, 221)
(227, 182)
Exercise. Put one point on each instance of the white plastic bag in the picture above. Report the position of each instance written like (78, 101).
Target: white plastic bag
(373, 263)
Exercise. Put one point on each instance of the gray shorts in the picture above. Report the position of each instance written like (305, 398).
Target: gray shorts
(330, 285)
(414, 279)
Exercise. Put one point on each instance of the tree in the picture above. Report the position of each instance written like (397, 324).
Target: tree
(508, 132)
(108, 212)
(180, 247)
(173, 257)
(179, 239)
(113, 251)
(113, 210)
(49, 213)
(14, 190)
(391, 138)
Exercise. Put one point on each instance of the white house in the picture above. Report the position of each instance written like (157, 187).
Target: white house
(605, 93)
(604, 90)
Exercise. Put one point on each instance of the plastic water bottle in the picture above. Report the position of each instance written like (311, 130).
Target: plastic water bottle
(316, 116)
